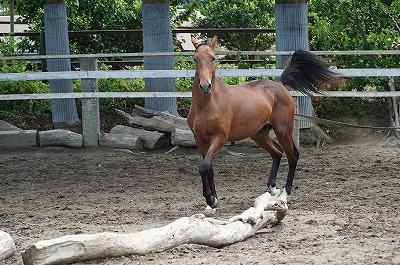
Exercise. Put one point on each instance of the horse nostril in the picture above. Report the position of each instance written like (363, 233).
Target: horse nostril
(205, 88)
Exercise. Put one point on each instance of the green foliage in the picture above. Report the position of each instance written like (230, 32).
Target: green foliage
(332, 108)
(89, 15)
(237, 14)
(21, 110)
(108, 105)
(355, 25)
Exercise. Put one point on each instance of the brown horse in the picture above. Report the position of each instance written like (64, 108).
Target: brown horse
(223, 113)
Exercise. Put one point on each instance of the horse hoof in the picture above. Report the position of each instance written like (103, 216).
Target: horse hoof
(275, 191)
(209, 211)
(215, 203)
(283, 196)
(212, 202)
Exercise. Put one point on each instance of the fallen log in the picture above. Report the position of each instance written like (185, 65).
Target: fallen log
(179, 122)
(196, 229)
(120, 141)
(60, 137)
(152, 140)
(18, 138)
(7, 246)
(5, 126)
(152, 124)
(183, 138)
(154, 120)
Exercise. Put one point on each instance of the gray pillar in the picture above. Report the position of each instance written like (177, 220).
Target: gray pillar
(90, 106)
(291, 35)
(56, 40)
(157, 37)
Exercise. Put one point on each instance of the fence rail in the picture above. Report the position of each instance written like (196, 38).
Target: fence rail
(190, 53)
(85, 95)
(179, 73)
(92, 75)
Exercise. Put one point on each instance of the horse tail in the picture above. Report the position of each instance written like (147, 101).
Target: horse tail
(305, 72)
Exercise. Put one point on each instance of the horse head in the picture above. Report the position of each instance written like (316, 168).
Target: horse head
(204, 58)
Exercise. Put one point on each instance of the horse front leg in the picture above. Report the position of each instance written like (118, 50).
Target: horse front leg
(207, 177)
(207, 172)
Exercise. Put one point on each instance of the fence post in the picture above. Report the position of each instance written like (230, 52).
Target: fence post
(90, 106)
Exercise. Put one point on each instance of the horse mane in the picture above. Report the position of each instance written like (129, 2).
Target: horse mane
(201, 43)
(305, 72)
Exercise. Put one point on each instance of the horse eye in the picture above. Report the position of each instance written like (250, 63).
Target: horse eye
(213, 59)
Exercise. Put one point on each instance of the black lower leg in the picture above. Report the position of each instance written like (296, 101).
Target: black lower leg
(292, 168)
(211, 181)
(276, 160)
(205, 169)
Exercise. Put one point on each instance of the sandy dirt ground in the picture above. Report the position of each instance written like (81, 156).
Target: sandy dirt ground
(345, 208)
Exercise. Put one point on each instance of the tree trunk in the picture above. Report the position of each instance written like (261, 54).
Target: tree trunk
(292, 35)
(157, 37)
(56, 38)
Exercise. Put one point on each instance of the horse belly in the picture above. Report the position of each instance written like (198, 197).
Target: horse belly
(249, 121)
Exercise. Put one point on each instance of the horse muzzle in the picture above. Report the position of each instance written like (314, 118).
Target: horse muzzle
(205, 88)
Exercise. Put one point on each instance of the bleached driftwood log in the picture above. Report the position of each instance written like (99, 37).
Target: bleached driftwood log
(120, 141)
(7, 246)
(60, 137)
(196, 229)
(152, 140)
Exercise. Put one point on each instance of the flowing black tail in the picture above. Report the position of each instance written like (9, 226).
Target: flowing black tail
(305, 72)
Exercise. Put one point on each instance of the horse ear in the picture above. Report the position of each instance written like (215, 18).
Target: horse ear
(195, 42)
(213, 41)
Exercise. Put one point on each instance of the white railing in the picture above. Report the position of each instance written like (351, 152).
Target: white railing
(91, 75)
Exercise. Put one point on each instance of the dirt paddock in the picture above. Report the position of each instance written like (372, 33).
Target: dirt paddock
(345, 208)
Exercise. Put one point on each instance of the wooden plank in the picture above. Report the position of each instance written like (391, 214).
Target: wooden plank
(95, 95)
(179, 73)
(23, 138)
(371, 94)
(141, 54)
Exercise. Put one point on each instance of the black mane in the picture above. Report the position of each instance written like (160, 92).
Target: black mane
(201, 43)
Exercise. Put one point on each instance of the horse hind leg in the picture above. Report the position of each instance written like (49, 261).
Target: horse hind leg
(263, 139)
(292, 153)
